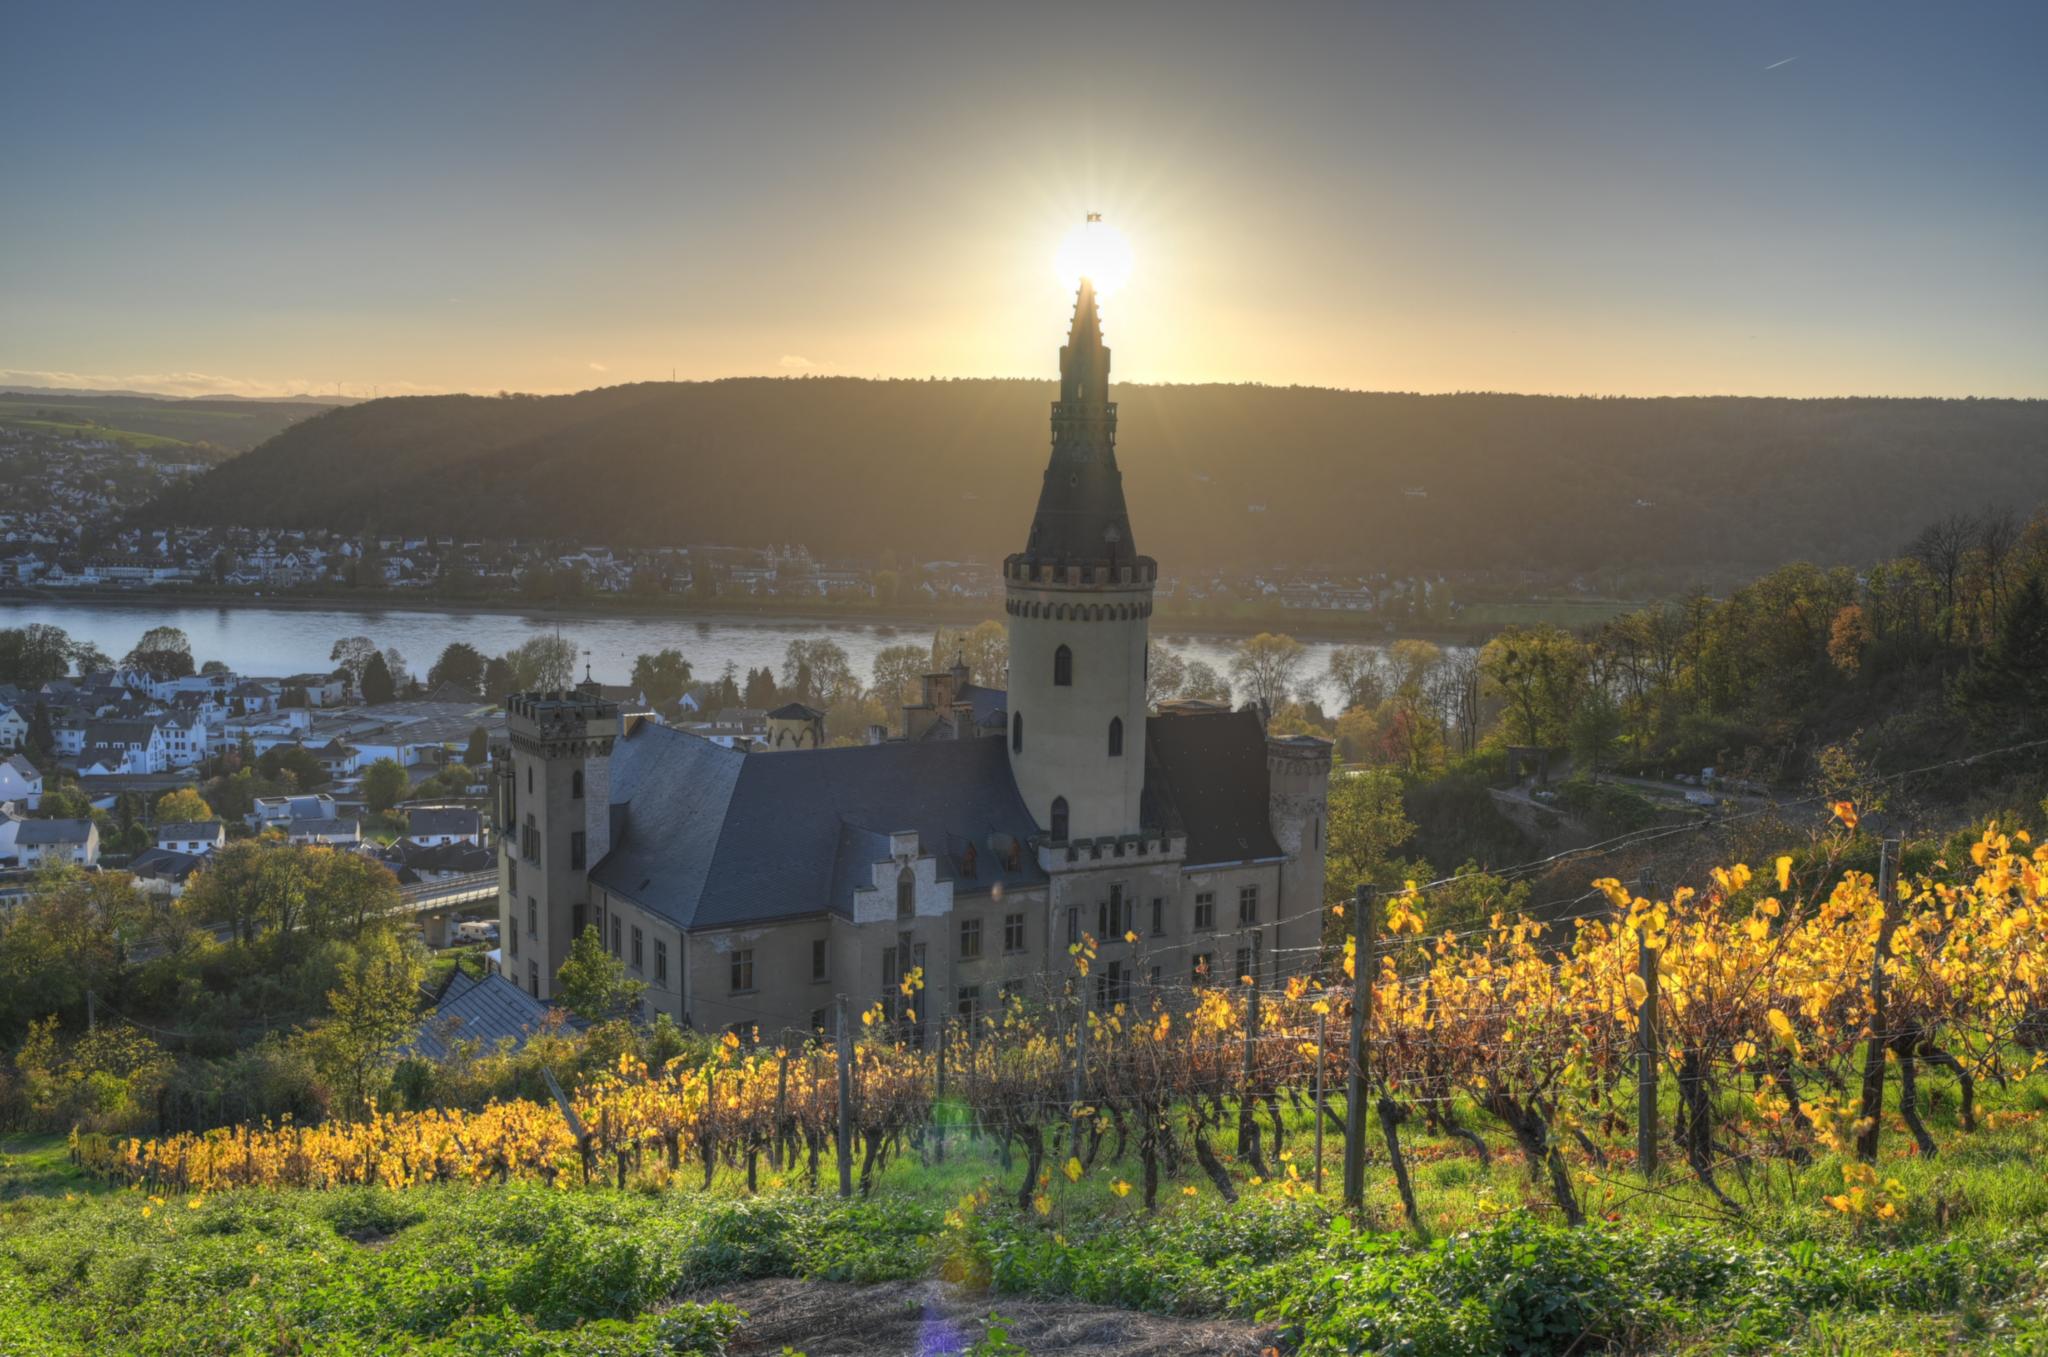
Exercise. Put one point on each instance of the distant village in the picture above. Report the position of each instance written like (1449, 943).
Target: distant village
(68, 529)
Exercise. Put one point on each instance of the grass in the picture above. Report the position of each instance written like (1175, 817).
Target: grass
(1963, 1265)
(130, 436)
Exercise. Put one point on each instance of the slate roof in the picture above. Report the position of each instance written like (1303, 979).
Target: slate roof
(796, 711)
(490, 1010)
(444, 820)
(190, 829)
(1205, 776)
(165, 864)
(990, 704)
(325, 826)
(53, 831)
(710, 837)
(22, 767)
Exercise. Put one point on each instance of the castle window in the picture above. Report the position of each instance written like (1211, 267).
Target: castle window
(576, 785)
(906, 894)
(743, 970)
(576, 849)
(1059, 819)
(1248, 905)
(532, 917)
(660, 962)
(1205, 911)
(1116, 737)
(618, 928)
(970, 939)
(639, 947)
(818, 961)
(1013, 932)
(969, 1006)
(533, 977)
(1158, 915)
(1017, 732)
(1063, 668)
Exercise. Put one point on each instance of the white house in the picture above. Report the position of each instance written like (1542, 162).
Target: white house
(277, 811)
(40, 843)
(344, 833)
(123, 747)
(431, 826)
(20, 783)
(13, 728)
(196, 837)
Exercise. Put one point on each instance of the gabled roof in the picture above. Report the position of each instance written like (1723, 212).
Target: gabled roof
(1206, 777)
(22, 767)
(712, 837)
(165, 864)
(324, 826)
(53, 831)
(989, 704)
(191, 829)
(444, 820)
(489, 1011)
(796, 711)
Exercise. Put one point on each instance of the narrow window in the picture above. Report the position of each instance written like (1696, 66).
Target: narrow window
(1059, 819)
(639, 948)
(618, 928)
(1063, 668)
(906, 894)
(1073, 925)
(1158, 915)
(818, 959)
(970, 939)
(1248, 905)
(743, 970)
(576, 849)
(529, 777)
(969, 1005)
(1205, 911)
(660, 962)
(1116, 737)
(532, 916)
(1013, 932)
(576, 785)
(1017, 732)
(533, 977)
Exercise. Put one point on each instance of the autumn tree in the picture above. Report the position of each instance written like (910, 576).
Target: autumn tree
(593, 983)
(899, 674)
(184, 805)
(1538, 672)
(1265, 668)
(371, 1013)
(662, 676)
(984, 648)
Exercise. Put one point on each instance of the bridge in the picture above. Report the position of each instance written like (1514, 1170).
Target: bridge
(435, 901)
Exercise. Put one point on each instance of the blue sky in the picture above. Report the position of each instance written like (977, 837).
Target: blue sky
(1632, 198)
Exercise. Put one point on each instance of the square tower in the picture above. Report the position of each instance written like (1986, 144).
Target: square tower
(554, 825)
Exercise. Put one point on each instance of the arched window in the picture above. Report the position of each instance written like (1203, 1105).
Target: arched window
(906, 894)
(1063, 668)
(1059, 819)
(1016, 732)
(1116, 737)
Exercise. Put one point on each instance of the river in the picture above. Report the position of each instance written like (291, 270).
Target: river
(254, 639)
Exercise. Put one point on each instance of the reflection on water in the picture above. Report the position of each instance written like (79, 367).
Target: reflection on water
(255, 639)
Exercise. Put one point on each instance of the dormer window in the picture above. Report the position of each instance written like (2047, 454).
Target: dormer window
(1063, 668)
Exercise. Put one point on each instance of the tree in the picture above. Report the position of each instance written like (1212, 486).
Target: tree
(542, 664)
(370, 1014)
(215, 667)
(293, 764)
(479, 752)
(1539, 672)
(985, 649)
(899, 674)
(65, 939)
(378, 684)
(352, 654)
(394, 665)
(184, 805)
(816, 671)
(662, 676)
(164, 651)
(593, 982)
(760, 691)
(1265, 667)
(88, 658)
(1165, 673)
(384, 784)
(33, 655)
(461, 665)
(1360, 675)
(1595, 726)
(1204, 683)
(499, 680)
(2006, 691)
(1367, 822)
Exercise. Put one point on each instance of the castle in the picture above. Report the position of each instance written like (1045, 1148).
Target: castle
(750, 890)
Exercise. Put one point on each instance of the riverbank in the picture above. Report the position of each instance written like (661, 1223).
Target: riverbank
(1485, 619)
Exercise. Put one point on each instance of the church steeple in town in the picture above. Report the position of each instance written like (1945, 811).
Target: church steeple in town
(1081, 518)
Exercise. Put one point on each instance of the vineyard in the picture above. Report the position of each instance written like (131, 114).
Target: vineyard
(1775, 1008)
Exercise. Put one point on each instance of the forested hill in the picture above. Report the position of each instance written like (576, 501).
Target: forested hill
(1217, 475)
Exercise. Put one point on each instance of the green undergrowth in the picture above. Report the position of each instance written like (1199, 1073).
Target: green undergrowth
(525, 1269)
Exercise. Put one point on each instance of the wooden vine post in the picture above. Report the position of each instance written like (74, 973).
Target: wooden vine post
(1647, 1050)
(1871, 1113)
(844, 1144)
(1355, 1086)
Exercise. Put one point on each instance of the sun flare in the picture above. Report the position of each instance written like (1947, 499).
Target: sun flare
(1097, 251)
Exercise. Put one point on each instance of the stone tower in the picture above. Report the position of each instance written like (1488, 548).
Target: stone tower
(1079, 597)
(554, 823)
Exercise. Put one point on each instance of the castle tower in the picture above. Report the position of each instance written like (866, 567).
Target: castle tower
(1079, 597)
(554, 824)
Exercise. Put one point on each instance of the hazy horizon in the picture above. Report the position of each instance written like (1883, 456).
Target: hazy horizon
(1647, 200)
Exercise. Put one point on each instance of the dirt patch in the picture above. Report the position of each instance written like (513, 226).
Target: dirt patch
(926, 1319)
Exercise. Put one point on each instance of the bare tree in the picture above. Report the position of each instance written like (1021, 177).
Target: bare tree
(1942, 547)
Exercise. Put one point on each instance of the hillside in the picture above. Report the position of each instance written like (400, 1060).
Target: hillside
(1692, 487)
(226, 425)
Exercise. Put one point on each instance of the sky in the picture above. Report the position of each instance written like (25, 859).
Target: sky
(1634, 198)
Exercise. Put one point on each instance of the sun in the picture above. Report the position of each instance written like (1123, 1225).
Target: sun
(1096, 251)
